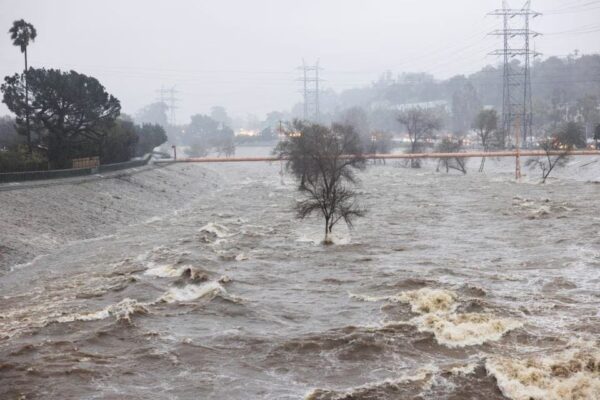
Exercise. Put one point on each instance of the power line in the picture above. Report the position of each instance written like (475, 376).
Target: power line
(575, 8)
(571, 5)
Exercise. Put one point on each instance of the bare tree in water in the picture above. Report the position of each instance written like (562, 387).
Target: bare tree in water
(324, 161)
(381, 143)
(448, 145)
(485, 124)
(557, 147)
(420, 124)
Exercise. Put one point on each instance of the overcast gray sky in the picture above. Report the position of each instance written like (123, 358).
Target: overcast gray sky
(242, 54)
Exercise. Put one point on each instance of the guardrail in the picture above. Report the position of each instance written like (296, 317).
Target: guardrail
(7, 177)
(125, 165)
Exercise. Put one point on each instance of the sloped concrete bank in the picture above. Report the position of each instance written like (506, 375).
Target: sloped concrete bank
(38, 219)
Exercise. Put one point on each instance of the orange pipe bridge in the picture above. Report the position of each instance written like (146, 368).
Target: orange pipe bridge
(522, 153)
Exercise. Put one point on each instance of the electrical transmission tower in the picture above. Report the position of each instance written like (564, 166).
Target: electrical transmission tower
(310, 90)
(168, 98)
(516, 94)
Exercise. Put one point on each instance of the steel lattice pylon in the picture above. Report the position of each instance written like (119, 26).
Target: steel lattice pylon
(310, 91)
(516, 95)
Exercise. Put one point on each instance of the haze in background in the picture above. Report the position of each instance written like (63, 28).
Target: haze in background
(243, 54)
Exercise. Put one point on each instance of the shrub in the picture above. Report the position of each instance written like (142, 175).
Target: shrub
(19, 160)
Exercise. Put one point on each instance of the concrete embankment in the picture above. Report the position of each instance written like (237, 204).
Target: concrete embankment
(39, 217)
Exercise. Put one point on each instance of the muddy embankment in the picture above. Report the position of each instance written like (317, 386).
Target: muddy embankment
(39, 218)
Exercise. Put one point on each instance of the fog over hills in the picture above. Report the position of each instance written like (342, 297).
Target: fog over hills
(244, 55)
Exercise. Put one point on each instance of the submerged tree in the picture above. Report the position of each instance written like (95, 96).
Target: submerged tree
(448, 145)
(324, 161)
(381, 143)
(485, 124)
(225, 147)
(21, 33)
(556, 148)
(294, 148)
(420, 124)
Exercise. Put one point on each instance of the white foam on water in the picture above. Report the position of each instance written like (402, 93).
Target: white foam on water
(153, 219)
(241, 257)
(460, 330)
(317, 238)
(218, 230)
(464, 370)
(367, 298)
(437, 308)
(573, 374)
(27, 264)
(209, 291)
(425, 374)
(122, 310)
(422, 301)
(165, 271)
(426, 300)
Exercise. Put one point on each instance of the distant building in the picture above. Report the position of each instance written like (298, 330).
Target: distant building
(246, 132)
(443, 104)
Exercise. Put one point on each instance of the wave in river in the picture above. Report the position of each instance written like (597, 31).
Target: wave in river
(207, 291)
(569, 375)
(470, 329)
(422, 301)
(438, 316)
(407, 385)
(123, 310)
(218, 230)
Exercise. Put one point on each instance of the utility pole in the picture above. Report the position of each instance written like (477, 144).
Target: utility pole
(310, 91)
(516, 82)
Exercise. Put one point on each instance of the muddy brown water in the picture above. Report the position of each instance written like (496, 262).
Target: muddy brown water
(452, 287)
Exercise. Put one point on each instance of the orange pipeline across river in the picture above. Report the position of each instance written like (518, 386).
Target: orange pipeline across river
(523, 153)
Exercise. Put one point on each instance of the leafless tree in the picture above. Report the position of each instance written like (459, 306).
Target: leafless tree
(448, 145)
(381, 143)
(324, 161)
(294, 149)
(420, 124)
(485, 124)
(557, 147)
(197, 149)
(225, 146)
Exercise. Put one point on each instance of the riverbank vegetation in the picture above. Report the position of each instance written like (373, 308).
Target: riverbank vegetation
(64, 115)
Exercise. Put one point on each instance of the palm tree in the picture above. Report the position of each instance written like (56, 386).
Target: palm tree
(21, 34)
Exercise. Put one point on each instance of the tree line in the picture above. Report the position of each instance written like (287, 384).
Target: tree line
(62, 115)
(563, 89)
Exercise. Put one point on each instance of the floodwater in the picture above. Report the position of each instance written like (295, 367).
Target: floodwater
(452, 287)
